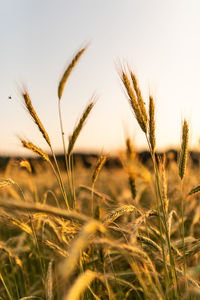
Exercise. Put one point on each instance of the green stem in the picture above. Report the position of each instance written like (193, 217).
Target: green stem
(4, 284)
(62, 132)
(71, 181)
(183, 228)
(67, 158)
(92, 206)
(173, 269)
(59, 178)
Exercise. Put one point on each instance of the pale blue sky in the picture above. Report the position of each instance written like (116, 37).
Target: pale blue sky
(159, 39)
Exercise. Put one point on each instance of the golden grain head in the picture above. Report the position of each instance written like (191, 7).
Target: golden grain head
(152, 138)
(184, 150)
(162, 165)
(100, 163)
(194, 191)
(35, 117)
(132, 184)
(25, 164)
(79, 127)
(141, 119)
(6, 182)
(130, 150)
(140, 100)
(30, 146)
(128, 87)
(113, 215)
(149, 242)
(68, 71)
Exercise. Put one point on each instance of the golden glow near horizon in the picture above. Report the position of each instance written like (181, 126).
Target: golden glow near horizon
(160, 40)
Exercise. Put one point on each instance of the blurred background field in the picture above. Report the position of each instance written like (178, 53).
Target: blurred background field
(34, 244)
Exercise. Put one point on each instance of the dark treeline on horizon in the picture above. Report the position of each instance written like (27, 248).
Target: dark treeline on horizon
(89, 159)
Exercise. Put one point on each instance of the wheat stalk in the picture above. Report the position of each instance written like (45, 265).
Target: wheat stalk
(49, 281)
(182, 168)
(130, 154)
(80, 285)
(69, 264)
(59, 250)
(169, 221)
(27, 207)
(97, 194)
(132, 184)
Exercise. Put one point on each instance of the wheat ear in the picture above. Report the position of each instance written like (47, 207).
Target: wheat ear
(35, 117)
(35, 149)
(130, 153)
(133, 102)
(68, 71)
(78, 128)
(139, 97)
(25, 164)
(184, 150)
(132, 184)
(152, 138)
(194, 191)
(149, 242)
(101, 161)
(6, 182)
(117, 213)
(164, 182)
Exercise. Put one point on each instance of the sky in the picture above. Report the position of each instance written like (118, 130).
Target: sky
(159, 40)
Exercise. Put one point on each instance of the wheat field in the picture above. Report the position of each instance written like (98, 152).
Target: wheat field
(69, 233)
